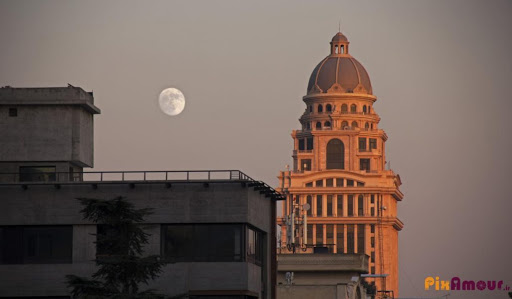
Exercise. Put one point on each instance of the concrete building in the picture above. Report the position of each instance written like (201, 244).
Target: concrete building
(216, 228)
(339, 181)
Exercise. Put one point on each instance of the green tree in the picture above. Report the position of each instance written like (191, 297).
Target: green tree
(121, 266)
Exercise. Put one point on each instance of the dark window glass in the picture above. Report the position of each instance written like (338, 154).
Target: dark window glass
(310, 184)
(36, 244)
(319, 234)
(329, 182)
(320, 108)
(37, 174)
(335, 154)
(340, 205)
(319, 205)
(329, 205)
(318, 125)
(108, 240)
(344, 108)
(208, 243)
(360, 238)
(372, 198)
(354, 124)
(373, 256)
(320, 183)
(301, 145)
(339, 238)
(364, 109)
(328, 107)
(310, 108)
(373, 270)
(329, 234)
(350, 183)
(360, 184)
(327, 124)
(364, 164)
(306, 164)
(309, 143)
(254, 246)
(350, 238)
(372, 211)
(310, 234)
(339, 182)
(353, 108)
(360, 205)
(309, 201)
(372, 242)
(362, 144)
(372, 228)
(350, 205)
(13, 112)
(373, 143)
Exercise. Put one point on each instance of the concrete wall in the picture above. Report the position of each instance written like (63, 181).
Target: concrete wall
(43, 204)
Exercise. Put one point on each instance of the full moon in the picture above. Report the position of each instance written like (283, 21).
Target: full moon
(172, 101)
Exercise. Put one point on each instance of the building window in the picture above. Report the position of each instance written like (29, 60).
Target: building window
(373, 143)
(328, 108)
(319, 206)
(329, 182)
(364, 109)
(344, 125)
(38, 174)
(329, 235)
(373, 256)
(13, 112)
(339, 182)
(210, 243)
(344, 109)
(360, 238)
(320, 183)
(309, 144)
(364, 164)
(372, 198)
(362, 144)
(327, 124)
(318, 125)
(306, 164)
(309, 236)
(310, 184)
(301, 145)
(372, 211)
(310, 108)
(340, 205)
(36, 244)
(360, 205)
(354, 124)
(335, 154)
(372, 228)
(350, 238)
(360, 184)
(319, 234)
(309, 201)
(320, 109)
(372, 242)
(372, 270)
(350, 183)
(353, 108)
(350, 205)
(329, 205)
(339, 239)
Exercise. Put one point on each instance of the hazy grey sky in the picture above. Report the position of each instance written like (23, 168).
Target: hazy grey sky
(442, 72)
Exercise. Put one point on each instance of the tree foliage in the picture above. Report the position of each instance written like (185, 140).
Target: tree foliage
(121, 266)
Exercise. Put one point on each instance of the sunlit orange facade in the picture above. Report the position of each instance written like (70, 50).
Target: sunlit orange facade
(340, 171)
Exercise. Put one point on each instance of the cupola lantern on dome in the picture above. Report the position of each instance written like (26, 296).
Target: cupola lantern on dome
(339, 72)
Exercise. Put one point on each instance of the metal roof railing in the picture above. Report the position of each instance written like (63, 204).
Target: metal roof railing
(154, 176)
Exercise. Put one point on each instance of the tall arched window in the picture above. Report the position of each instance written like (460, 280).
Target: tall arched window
(327, 124)
(344, 108)
(344, 124)
(366, 126)
(335, 154)
(320, 109)
(354, 124)
(364, 109)
(353, 108)
(318, 125)
(328, 108)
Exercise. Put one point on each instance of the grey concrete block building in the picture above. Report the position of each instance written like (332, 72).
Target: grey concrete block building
(215, 228)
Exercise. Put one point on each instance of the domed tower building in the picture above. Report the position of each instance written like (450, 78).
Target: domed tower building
(341, 197)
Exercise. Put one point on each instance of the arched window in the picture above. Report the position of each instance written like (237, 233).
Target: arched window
(318, 125)
(354, 124)
(327, 124)
(342, 49)
(344, 125)
(308, 126)
(335, 154)
(366, 126)
(364, 109)
(328, 108)
(310, 108)
(320, 109)
(353, 108)
(344, 108)
(336, 49)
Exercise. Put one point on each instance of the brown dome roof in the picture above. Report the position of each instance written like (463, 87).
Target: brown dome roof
(339, 72)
